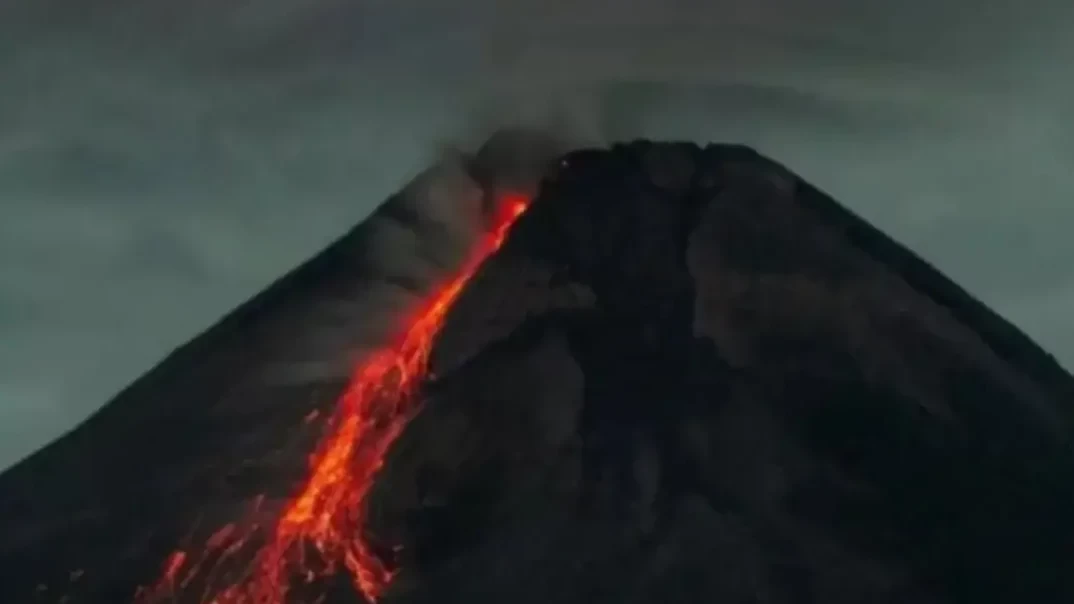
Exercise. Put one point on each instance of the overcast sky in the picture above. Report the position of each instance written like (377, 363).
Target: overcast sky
(161, 161)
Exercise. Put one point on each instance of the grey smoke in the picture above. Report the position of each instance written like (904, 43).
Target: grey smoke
(411, 244)
(426, 230)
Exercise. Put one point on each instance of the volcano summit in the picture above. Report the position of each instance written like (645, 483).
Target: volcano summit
(668, 373)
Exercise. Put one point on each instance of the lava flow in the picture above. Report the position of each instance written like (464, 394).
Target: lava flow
(328, 513)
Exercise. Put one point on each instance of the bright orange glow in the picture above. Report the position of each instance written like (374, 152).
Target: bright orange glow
(329, 512)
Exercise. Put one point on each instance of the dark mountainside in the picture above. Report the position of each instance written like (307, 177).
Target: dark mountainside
(687, 376)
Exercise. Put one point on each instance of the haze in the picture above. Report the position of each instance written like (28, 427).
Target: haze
(162, 161)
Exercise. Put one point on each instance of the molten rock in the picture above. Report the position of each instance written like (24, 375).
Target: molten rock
(685, 376)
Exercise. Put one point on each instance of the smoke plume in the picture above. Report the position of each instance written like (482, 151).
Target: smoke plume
(409, 245)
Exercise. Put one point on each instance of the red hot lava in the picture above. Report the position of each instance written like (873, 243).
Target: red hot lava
(329, 512)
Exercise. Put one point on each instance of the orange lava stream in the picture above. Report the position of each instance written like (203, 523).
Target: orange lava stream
(329, 512)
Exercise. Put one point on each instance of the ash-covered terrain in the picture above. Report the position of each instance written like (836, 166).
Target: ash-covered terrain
(686, 376)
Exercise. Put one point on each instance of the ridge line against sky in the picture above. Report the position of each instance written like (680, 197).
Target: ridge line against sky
(160, 162)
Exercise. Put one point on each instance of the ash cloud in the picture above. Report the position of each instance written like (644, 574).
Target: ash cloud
(411, 244)
(423, 234)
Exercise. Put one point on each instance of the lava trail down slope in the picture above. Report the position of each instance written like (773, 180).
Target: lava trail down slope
(328, 512)
(683, 376)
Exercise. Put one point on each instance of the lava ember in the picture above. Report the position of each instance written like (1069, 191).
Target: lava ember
(327, 516)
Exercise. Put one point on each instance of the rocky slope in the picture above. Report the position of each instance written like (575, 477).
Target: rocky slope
(690, 376)
(687, 376)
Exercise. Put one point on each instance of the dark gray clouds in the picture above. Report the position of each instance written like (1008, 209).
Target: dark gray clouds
(161, 161)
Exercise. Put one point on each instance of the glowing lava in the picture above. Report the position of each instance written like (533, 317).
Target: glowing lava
(329, 512)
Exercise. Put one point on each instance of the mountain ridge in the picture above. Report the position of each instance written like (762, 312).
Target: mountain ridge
(681, 353)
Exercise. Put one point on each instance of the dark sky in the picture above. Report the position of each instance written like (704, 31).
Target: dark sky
(160, 161)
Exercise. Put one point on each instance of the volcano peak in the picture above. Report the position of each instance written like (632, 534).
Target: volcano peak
(670, 372)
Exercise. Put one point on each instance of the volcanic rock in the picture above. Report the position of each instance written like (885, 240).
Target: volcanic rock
(687, 376)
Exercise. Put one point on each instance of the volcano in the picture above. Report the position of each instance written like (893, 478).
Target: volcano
(669, 373)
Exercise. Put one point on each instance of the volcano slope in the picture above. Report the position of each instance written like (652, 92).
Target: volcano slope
(689, 376)
(685, 376)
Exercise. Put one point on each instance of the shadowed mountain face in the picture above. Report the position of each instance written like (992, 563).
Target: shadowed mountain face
(687, 376)
(691, 377)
